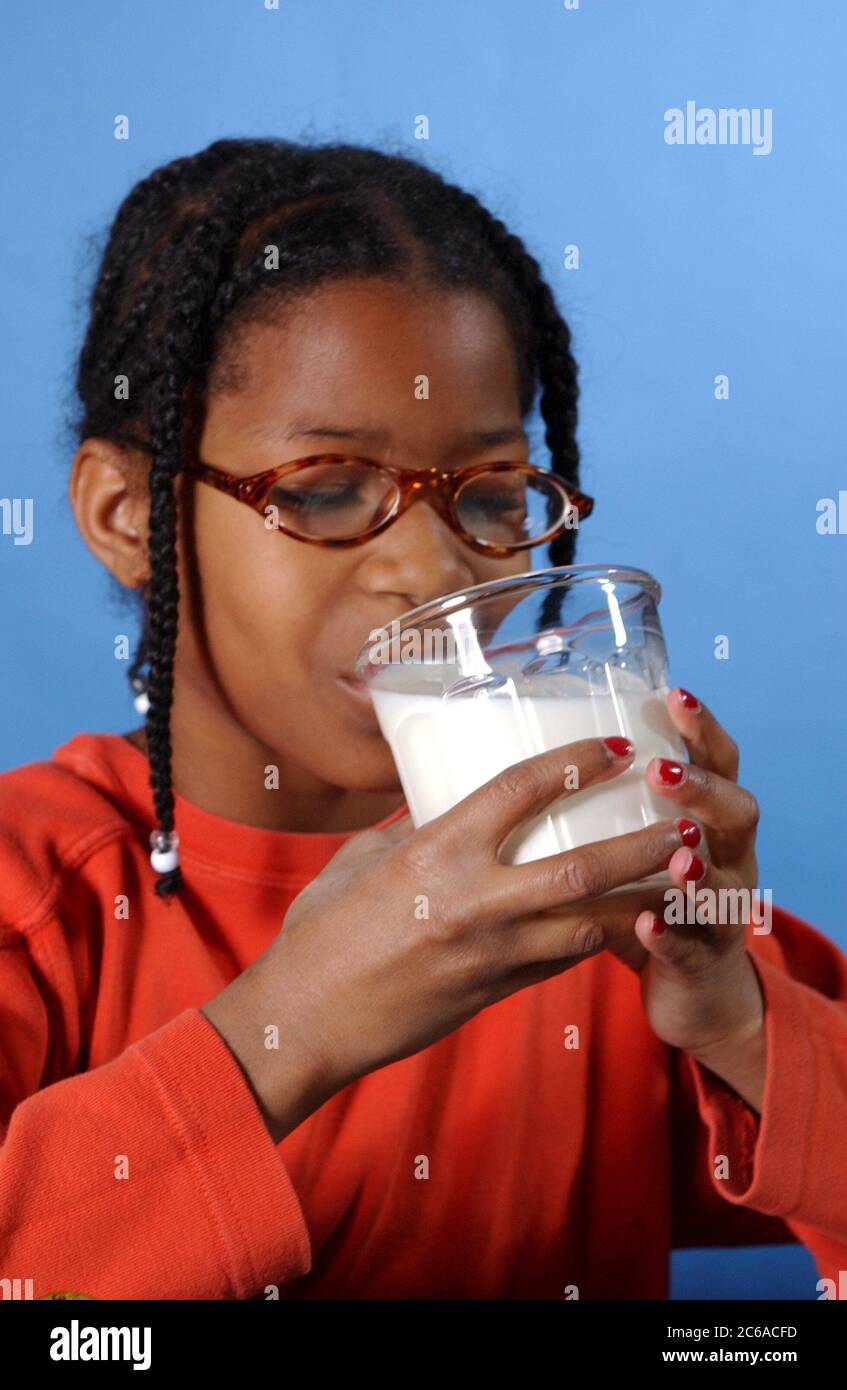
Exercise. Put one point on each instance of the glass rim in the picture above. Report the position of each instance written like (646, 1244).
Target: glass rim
(530, 580)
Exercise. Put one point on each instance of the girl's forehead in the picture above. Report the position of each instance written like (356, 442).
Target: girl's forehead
(352, 320)
(370, 356)
(352, 345)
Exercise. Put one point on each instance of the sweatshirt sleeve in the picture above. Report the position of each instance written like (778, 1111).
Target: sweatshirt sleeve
(149, 1177)
(741, 1177)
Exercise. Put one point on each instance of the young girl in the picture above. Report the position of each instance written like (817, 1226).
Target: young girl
(235, 1061)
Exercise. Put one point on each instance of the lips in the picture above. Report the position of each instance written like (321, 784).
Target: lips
(357, 688)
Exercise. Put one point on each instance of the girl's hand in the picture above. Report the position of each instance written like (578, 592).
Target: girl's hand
(699, 987)
(406, 934)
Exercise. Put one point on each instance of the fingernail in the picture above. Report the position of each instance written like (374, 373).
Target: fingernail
(690, 701)
(671, 774)
(649, 919)
(695, 870)
(689, 833)
(619, 747)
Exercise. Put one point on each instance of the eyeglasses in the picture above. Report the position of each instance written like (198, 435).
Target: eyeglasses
(340, 500)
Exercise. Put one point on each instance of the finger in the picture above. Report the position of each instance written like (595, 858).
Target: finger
(586, 872)
(521, 791)
(671, 947)
(729, 813)
(708, 743)
(565, 936)
(708, 909)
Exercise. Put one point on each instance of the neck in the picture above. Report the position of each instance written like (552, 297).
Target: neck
(227, 778)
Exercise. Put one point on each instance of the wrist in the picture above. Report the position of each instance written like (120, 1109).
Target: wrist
(740, 1061)
(739, 1037)
(288, 1080)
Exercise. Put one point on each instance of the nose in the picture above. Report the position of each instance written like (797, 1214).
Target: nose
(419, 555)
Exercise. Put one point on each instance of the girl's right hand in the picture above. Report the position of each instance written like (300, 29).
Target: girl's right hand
(406, 934)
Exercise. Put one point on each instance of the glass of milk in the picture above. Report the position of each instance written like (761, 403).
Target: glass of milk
(480, 679)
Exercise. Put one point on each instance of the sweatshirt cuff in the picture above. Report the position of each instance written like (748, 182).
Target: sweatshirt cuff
(259, 1222)
(764, 1154)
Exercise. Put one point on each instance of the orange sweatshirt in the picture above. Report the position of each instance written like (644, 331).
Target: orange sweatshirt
(497, 1163)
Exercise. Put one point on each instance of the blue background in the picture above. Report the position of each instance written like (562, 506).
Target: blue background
(694, 261)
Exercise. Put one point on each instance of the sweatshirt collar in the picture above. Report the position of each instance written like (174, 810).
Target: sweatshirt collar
(122, 772)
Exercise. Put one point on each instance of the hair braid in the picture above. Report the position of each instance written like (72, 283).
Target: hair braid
(203, 252)
(557, 371)
(207, 250)
(556, 365)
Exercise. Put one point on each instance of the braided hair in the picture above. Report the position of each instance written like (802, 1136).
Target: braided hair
(185, 265)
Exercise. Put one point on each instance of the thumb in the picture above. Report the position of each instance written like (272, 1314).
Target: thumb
(668, 946)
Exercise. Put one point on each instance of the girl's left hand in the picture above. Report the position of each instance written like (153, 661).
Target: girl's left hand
(698, 985)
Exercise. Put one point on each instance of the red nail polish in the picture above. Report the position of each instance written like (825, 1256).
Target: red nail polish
(657, 927)
(619, 747)
(690, 701)
(689, 833)
(670, 773)
(695, 870)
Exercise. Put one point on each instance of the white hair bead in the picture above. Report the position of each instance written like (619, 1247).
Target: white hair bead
(142, 702)
(164, 856)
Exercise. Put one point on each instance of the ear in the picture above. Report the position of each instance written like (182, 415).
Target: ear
(108, 494)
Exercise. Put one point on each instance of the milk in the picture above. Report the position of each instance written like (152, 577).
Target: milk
(444, 748)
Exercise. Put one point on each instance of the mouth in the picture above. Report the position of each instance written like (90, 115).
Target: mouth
(358, 689)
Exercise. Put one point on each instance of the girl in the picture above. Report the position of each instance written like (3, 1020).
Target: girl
(236, 1063)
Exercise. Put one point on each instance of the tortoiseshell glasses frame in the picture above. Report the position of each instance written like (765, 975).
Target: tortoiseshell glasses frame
(407, 483)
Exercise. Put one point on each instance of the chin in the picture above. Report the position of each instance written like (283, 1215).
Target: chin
(365, 766)
(350, 751)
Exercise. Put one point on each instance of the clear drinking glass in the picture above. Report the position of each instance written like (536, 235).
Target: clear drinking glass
(480, 679)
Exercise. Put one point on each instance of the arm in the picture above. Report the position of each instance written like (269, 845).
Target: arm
(741, 1062)
(152, 1176)
(785, 1172)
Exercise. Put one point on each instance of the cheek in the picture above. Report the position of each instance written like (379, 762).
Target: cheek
(258, 601)
(511, 566)
(504, 568)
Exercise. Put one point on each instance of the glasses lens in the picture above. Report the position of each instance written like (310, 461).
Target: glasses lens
(333, 500)
(510, 507)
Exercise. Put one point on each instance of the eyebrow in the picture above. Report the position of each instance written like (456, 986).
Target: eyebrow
(299, 430)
